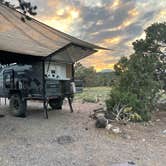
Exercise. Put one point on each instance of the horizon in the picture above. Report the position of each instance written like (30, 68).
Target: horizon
(113, 24)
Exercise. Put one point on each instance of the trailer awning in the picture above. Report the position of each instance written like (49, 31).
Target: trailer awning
(36, 39)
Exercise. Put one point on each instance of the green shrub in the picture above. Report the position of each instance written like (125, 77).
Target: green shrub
(127, 99)
(141, 76)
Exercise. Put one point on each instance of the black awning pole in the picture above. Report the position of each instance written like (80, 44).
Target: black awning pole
(45, 109)
(44, 92)
(70, 104)
(73, 72)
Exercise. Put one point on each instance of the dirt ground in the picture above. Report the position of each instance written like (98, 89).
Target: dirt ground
(71, 139)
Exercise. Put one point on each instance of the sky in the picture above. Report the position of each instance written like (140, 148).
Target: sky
(113, 24)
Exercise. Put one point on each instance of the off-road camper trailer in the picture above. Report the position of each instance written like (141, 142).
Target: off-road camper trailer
(39, 61)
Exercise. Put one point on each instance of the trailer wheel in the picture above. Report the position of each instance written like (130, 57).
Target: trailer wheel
(56, 103)
(17, 106)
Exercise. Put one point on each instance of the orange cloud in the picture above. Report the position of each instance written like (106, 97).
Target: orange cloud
(101, 60)
(161, 16)
(115, 4)
(112, 41)
(163, 12)
(62, 19)
(52, 3)
(133, 13)
(65, 16)
(130, 20)
(132, 17)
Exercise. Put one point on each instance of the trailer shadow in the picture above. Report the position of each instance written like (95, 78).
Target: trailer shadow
(35, 110)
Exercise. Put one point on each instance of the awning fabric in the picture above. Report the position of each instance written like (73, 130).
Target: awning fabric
(34, 38)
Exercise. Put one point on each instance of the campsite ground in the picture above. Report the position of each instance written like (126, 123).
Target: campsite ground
(67, 139)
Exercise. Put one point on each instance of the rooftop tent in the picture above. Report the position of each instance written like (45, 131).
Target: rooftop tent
(33, 39)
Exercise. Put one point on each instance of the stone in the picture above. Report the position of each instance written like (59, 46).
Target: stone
(109, 126)
(101, 122)
(126, 136)
(143, 140)
(100, 115)
(131, 163)
(65, 140)
(116, 130)
(164, 132)
(1, 116)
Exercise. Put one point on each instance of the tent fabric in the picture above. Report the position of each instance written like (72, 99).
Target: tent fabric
(37, 39)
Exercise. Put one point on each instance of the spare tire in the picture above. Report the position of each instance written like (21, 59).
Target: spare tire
(56, 103)
(17, 106)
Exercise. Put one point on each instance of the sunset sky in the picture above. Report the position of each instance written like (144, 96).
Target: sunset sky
(110, 23)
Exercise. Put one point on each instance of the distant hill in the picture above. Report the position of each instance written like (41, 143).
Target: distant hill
(91, 78)
(106, 71)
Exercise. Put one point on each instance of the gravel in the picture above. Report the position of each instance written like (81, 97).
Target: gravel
(71, 139)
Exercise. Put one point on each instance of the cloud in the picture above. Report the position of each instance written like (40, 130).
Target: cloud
(112, 23)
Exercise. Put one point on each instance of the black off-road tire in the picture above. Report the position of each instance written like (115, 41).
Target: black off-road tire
(17, 106)
(56, 104)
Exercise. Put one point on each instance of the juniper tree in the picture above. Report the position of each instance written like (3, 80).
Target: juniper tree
(143, 75)
(25, 7)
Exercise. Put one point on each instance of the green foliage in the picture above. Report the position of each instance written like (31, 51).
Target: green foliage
(93, 94)
(142, 76)
(155, 44)
(93, 79)
(135, 117)
(131, 115)
(25, 7)
(127, 99)
(106, 79)
(87, 75)
(121, 66)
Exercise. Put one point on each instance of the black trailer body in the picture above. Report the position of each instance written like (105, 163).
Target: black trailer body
(48, 81)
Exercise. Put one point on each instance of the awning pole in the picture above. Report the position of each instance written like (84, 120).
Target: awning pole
(44, 92)
(73, 73)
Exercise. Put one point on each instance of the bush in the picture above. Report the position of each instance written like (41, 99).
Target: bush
(123, 99)
(141, 77)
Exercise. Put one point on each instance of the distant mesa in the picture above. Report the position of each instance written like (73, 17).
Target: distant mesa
(107, 71)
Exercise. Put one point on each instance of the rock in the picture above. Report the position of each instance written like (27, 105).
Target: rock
(131, 163)
(1, 116)
(100, 115)
(143, 140)
(116, 130)
(164, 132)
(98, 110)
(109, 126)
(151, 123)
(97, 113)
(101, 122)
(126, 136)
(65, 140)
(12, 129)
